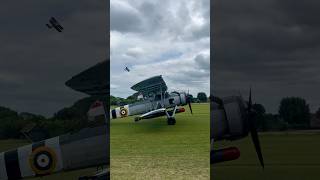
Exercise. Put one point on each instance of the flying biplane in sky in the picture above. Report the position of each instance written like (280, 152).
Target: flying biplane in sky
(156, 101)
(232, 118)
(127, 69)
(88, 147)
(54, 24)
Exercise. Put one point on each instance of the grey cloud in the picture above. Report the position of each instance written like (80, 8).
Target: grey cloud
(272, 46)
(151, 17)
(171, 34)
(124, 17)
(203, 62)
(135, 52)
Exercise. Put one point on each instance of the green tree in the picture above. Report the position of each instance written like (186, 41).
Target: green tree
(260, 116)
(294, 111)
(190, 96)
(202, 97)
(318, 113)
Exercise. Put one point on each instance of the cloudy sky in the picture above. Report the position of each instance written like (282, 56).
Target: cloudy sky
(36, 61)
(272, 46)
(169, 38)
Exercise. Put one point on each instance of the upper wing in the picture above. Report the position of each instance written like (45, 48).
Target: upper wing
(154, 85)
(93, 81)
(53, 20)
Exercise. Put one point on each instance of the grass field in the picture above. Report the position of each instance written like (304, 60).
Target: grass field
(150, 149)
(288, 156)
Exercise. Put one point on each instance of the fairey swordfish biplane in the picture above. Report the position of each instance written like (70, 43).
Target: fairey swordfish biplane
(155, 101)
(88, 147)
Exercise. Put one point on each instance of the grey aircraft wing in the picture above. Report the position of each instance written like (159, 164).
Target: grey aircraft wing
(93, 81)
(155, 85)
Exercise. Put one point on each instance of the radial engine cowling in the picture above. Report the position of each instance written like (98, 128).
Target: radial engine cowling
(228, 118)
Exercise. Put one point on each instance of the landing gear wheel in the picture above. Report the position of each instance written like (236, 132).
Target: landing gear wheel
(136, 119)
(171, 121)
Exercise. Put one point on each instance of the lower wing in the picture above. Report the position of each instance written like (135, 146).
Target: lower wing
(158, 113)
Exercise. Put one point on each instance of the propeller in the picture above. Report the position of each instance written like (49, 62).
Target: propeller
(188, 99)
(253, 131)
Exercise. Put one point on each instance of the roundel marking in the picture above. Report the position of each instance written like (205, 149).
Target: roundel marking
(123, 112)
(43, 160)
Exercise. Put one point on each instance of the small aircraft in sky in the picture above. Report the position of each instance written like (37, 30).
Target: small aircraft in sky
(155, 102)
(85, 148)
(127, 69)
(232, 118)
(53, 23)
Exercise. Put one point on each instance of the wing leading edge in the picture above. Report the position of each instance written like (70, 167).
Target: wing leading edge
(93, 81)
(154, 85)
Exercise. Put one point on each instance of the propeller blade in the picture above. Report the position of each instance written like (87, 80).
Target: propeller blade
(189, 101)
(253, 131)
(256, 142)
(190, 107)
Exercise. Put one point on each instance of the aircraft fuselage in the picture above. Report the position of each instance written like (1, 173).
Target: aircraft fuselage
(172, 100)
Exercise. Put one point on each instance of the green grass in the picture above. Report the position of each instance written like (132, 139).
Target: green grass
(150, 149)
(292, 156)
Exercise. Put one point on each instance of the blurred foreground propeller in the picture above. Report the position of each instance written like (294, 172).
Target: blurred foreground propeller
(189, 101)
(253, 131)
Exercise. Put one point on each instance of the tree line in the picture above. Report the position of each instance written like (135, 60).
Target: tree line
(293, 113)
(68, 119)
(118, 101)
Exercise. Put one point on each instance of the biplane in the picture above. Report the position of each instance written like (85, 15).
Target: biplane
(127, 69)
(54, 24)
(88, 147)
(155, 101)
(232, 118)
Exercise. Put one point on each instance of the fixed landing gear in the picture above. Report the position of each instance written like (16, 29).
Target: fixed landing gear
(136, 119)
(171, 121)
(170, 117)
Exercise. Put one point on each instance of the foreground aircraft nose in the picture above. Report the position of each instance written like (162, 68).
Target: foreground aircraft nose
(226, 154)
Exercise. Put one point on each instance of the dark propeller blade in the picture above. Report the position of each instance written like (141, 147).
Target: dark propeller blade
(190, 107)
(253, 131)
(189, 101)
